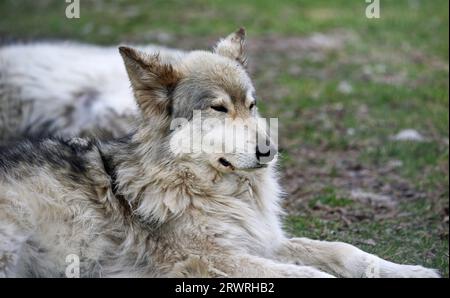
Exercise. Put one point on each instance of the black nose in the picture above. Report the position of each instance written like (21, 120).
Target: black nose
(265, 154)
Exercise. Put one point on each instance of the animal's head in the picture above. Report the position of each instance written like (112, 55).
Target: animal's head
(205, 105)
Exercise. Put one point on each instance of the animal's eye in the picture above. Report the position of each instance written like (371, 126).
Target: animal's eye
(221, 109)
(252, 105)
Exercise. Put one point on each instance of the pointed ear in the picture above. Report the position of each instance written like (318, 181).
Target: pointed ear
(152, 80)
(233, 47)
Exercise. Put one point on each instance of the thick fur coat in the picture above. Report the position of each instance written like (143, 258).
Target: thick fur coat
(137, 207)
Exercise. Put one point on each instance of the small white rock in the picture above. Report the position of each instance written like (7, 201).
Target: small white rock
(351, 131)
(345, 87)
(409, 135)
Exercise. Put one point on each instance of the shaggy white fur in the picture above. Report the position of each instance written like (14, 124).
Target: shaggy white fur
(133, 207)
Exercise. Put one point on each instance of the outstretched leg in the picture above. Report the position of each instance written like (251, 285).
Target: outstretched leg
(252, 266)
(345, 260)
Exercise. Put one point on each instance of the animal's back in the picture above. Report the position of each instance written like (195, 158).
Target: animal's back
(68, 89)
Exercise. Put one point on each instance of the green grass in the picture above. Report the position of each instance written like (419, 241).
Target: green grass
(198, 18)
(386, 239)
(330, 198)
(397, 66)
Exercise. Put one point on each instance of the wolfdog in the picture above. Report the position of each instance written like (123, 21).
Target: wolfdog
(140, 206)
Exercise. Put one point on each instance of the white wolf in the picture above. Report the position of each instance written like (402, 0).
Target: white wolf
(132, 206)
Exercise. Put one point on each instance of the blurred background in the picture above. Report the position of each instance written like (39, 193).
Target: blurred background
(362, 103)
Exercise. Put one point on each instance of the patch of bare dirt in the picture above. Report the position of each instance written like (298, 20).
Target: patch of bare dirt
(376, 190)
